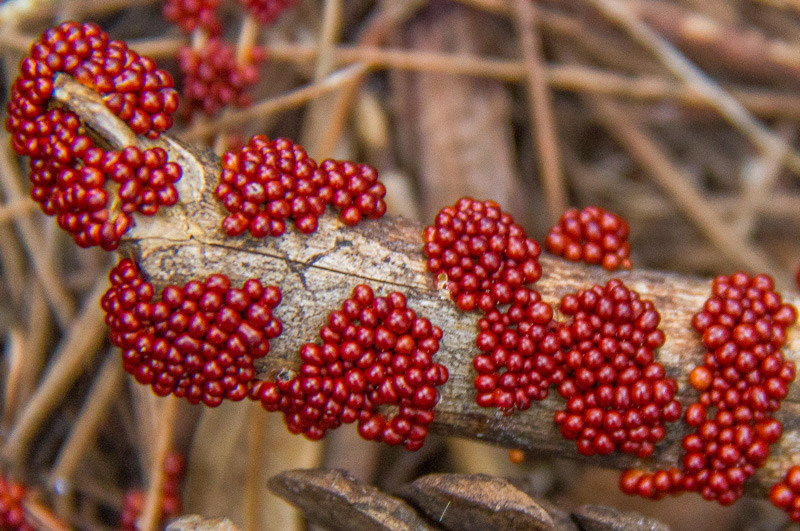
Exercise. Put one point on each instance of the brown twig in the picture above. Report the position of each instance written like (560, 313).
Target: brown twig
(106, 386)
(677, 184)
(73, 353)
(151, 513)
(11, 183)
(541, 109)
(765, 139)
(317, 271)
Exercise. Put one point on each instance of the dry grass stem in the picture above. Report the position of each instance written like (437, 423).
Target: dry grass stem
(678, 64)
(680, 189)
(381, 25)
(11, 182)
(14, 356)
(545, 136)
(15, 209)
(260, 110)
(73, 353)
(107, 385)
(248, 36)
(255, 480)
(163, 444)
(41, 518)
(321, 110)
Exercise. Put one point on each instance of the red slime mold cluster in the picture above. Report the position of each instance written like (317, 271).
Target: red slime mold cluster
(741, 383)
(12, 515)
(214, 78)
(131, 85)
(266, 11)
(521, 356)
(133, 505)
(268, 182)
(480, 255)
(601, 360)
(592, 235)
(618, 396)
(786, 494)
(69, 174)
(199, 341)
(376, 353)
(193, 14)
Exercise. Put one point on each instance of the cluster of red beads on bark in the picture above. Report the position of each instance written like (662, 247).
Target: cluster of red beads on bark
(146, 179)
(215, 78)
(480, 255)
(266, 11)
(76, 193)
(741, 383)
(68, 172)
(592, 235)
(522, 354)
(618, 396)
(134, 501)
(786, 494)
(193, 14)
(375, 353)
(131, 85)
(268, 182)
(12, 515)
(199, 341)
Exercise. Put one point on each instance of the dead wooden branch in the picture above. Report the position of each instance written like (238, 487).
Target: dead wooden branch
(318, 271)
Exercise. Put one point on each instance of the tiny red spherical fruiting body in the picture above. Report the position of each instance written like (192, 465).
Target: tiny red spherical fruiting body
(376, 353)
(198, 341)
(785, 494)
(269, 182)
(618, 396)
(215, 78)
(592, 235)
(133, 503)
(521, 354)
(741, 383)
(12, 514)
(131, 85)
(266, 11)
(68, 171)
(193, 14)
(480, 255)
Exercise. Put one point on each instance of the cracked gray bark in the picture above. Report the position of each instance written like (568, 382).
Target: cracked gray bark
(316, 272)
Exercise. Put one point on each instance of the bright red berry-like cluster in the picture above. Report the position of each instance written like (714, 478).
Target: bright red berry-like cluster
(133, 505)
(266, 11)
(69, 174)
(618, 396)
(12, 515)
(375, 353)
(131, 85)
(480, 255)
(214, 78)
(146, 179)
(593, 235)
(268, 182)
(786, 494)
(74, 189)
(741, 383)
(199, 341)
(192, 14)
(522, 354)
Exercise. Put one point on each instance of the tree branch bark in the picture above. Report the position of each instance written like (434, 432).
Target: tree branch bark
(318, 271)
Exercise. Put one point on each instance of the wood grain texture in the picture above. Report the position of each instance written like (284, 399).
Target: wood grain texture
(318, 271)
